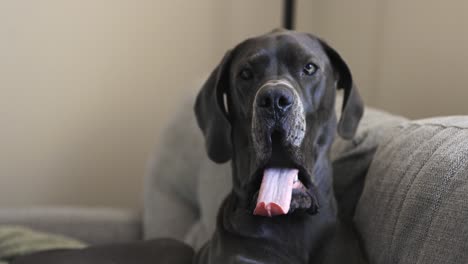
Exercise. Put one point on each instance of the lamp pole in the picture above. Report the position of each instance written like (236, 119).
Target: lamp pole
(288, 14)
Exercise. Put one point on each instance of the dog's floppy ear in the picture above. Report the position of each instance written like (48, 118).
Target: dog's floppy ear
(353, 107)
(211, 114)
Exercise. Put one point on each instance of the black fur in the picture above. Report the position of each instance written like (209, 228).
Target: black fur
(254, 139)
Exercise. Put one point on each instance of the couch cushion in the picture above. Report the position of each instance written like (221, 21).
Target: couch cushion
(351, 158)
(414, 207)
(92, 225)
(171, 180)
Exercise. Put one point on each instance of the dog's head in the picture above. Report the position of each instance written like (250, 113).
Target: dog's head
(269, 106)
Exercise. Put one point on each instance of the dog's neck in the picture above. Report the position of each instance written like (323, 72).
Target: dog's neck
(236, 219)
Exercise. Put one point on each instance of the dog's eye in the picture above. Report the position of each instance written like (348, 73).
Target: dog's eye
(246, 74)
(310, 68)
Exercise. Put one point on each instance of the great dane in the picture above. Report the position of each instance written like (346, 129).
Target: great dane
(268, 107)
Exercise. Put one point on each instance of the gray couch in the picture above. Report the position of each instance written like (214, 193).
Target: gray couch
(413, 208)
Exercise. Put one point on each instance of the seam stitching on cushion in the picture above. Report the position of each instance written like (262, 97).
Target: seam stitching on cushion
(432, 124)
(396, 149)
(393, 247)
(441, 191)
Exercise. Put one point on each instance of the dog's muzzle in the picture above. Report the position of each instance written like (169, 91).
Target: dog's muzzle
(277, 108)
(278, 129)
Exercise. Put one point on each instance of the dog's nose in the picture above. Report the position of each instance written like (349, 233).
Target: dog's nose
(275, 99)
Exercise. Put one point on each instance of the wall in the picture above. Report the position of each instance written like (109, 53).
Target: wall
(408, 57)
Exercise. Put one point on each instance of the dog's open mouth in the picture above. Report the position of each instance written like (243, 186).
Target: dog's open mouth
(284, 187)
(280, 192)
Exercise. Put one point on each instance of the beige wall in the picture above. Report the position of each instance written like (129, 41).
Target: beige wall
(85, 86)
(408, 57)
(423, 63)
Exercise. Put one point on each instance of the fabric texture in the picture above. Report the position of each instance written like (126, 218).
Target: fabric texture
(414, 205)
(18, 241)
(351, 158)
(91, 225)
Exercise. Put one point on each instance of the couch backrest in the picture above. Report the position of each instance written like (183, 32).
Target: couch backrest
(414, 207)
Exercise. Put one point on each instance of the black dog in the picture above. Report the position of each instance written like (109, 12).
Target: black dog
(269, 107)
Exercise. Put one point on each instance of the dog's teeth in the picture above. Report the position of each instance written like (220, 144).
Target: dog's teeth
(295, 178)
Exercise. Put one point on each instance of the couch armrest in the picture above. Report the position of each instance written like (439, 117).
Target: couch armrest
(92, 225)
(413, 207)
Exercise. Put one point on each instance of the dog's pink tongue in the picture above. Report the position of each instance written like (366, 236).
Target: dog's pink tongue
(274, 197)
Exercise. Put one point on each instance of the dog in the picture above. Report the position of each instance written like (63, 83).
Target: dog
(268, 107)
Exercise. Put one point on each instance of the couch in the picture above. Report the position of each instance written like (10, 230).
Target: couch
(403, 182)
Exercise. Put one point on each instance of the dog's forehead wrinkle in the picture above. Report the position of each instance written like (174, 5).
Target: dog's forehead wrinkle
(305, 46)
(257, 55)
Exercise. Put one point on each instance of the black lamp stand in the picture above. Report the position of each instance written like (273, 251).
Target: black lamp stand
(288, 14)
